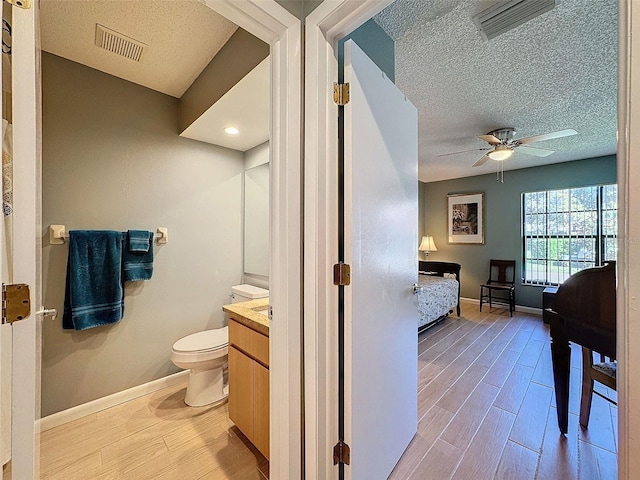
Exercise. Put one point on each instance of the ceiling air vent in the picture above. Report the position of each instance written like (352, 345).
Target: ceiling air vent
(508, 14)
(118, 43)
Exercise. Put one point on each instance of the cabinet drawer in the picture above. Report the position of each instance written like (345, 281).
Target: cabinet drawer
(249, 341)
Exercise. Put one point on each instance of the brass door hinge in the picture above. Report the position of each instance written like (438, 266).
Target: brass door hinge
(26, 4)
(341, 93)
(15, 302)
(341, 453)
(342, 274)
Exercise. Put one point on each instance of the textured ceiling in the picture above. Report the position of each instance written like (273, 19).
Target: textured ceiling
(182, 37)
(554, 72)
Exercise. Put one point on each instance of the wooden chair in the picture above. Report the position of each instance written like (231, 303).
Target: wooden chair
(603, 372)
(502, 275)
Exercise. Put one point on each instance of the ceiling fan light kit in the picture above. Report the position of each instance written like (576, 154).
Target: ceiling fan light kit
(502, 145)
(500, 152)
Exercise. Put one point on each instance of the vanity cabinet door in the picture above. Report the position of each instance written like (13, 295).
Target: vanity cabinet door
(261, 409)
(241, 392)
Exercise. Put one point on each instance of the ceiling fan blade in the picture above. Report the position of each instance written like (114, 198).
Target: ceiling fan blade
(538, 152)
(481, 161)
(463, 151)
(547, 136)
(493, 140)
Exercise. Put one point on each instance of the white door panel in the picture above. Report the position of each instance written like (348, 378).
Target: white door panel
(381, 221)
(25, 251)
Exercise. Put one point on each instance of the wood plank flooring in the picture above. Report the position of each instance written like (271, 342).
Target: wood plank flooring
(487, 407)
(152, 437)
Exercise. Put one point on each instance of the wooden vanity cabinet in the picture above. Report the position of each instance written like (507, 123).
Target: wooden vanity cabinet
(249, 383)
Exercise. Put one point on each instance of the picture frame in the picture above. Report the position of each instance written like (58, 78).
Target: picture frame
(465, 218)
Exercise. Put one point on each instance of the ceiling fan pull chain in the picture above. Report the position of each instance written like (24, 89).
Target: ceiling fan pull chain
(500, 172)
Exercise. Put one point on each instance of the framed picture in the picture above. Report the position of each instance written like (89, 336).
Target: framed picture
(465, 218)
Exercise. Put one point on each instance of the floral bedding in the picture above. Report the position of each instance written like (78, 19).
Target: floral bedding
(438, 297)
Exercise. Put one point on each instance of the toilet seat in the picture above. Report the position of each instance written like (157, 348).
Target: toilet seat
(205, 341)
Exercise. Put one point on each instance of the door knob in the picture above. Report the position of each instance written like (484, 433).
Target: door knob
(417, 288)
(48, 312)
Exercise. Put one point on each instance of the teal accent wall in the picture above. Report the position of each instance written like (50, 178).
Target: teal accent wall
(379, 47)
(503, 217)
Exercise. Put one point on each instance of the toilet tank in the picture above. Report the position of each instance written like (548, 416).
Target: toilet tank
(245, 292)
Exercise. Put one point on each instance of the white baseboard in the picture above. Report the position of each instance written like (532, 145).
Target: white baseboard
(519, 308)
(109, 401)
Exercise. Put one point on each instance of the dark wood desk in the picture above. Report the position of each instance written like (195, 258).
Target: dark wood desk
(583, 312)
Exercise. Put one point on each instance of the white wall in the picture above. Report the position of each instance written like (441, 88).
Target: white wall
(256, 156)
(112, 159)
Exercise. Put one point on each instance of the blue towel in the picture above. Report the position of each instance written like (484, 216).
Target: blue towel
(94, 293)
(137, 265)
(139, 240)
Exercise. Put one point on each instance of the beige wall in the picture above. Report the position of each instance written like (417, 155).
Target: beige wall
(112, 159)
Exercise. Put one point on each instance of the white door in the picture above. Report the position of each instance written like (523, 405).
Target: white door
(380, 244)
(25, 249)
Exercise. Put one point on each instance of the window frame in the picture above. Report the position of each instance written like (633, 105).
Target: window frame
(599, 237)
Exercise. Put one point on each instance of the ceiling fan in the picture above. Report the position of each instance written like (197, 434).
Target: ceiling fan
(503, 144)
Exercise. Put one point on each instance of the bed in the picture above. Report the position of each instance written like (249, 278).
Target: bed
(440, 282)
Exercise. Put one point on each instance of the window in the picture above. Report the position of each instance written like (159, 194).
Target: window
(564, 231)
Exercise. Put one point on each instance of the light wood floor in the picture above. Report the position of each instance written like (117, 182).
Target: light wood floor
(486, 410)
(153, 437)
(487, 407)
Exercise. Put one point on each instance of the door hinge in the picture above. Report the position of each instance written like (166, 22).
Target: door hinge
(341, 93)
(26, 4)
(16, 304)
(342, 274)
(341, 453)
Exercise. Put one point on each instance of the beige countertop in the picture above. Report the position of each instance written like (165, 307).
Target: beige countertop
(251, 314)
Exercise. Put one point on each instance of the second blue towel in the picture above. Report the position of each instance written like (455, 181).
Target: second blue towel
(137, 263)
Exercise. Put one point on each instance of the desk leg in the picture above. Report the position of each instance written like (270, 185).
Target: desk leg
(561, 358)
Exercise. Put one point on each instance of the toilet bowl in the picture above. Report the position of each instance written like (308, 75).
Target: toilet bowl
(205, 355)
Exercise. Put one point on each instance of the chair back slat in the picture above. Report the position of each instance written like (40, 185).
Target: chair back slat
(502, 271)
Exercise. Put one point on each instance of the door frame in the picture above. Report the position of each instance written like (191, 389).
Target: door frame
(628, 290)
(332, 20)
(329, 22)
(270, 22)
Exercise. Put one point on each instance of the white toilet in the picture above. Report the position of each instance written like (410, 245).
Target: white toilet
(244, 293)
(205, 355)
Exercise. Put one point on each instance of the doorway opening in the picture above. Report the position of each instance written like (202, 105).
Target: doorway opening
(280, 39)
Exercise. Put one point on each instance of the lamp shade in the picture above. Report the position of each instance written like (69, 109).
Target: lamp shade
(427, 244)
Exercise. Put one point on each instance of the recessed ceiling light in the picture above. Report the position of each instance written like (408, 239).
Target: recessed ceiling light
(232, 130)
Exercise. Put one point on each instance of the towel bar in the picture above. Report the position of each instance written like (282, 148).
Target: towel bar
(58, 234)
